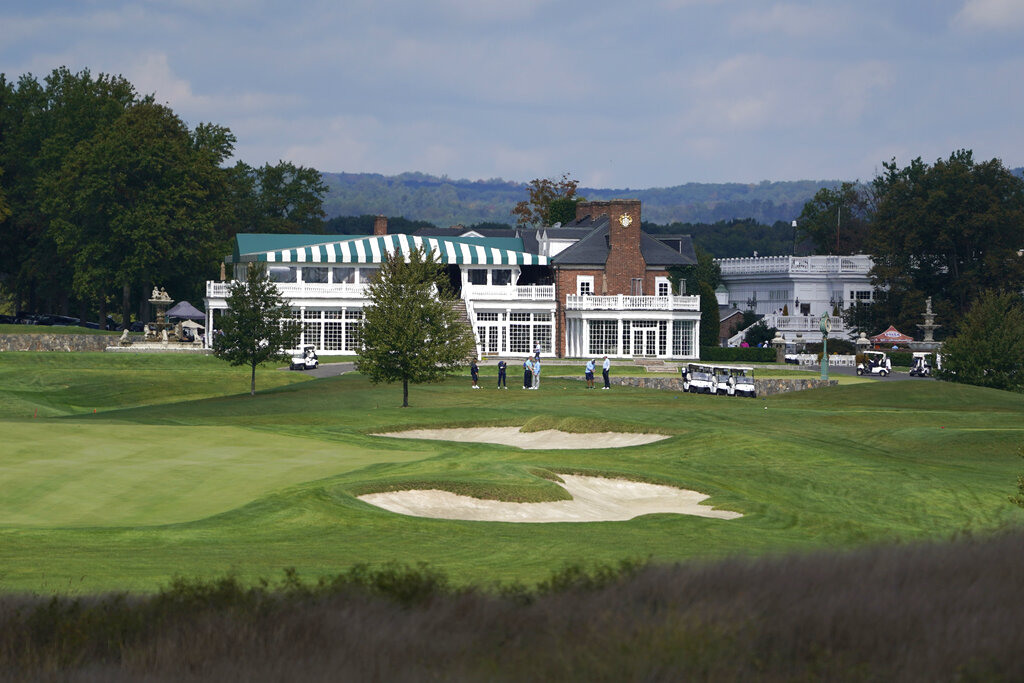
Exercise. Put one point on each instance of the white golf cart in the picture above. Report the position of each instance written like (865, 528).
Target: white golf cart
(877, 363)
(698, 379)
(741, 382)
(920, 366)
(305, 359)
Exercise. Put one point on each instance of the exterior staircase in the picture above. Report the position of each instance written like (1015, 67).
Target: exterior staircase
(459, 306)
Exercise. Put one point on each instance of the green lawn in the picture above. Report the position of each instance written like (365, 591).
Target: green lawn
(179, 472)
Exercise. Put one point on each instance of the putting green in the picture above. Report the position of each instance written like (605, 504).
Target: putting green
(66, 474)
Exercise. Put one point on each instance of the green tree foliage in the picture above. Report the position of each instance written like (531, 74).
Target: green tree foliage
(688, 279)
(363, 225)
(710, 320)
(411, 332)
(734, 238)
(138, 203)
(836, 220)
(949, 231)
(988, 349)
(536, 210)
(257, 326)
(759, 333)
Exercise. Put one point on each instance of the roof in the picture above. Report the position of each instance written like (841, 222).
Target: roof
(593, 249)
(372, 249)
(184, 309)
(254, 243)
(892, 335)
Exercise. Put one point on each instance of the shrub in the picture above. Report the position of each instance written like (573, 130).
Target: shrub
(719, 354)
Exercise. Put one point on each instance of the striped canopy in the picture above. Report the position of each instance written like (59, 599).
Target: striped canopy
(373, 249)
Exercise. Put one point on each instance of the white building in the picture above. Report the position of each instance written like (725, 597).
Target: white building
(805, 287)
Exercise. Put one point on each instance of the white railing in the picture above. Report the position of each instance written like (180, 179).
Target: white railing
(623, 302)
(803, 323)
(297, 290)
(509, 292)
(834, 360)
(858, 264)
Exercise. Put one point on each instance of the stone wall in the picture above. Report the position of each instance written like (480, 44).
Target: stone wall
(765, 387)
(56, 342)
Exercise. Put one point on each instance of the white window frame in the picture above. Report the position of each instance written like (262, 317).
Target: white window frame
(587, 280)
(659, 282)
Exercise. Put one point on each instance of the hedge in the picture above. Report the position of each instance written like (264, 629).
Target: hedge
(737, 354)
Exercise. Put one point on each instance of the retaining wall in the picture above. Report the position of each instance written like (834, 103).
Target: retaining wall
(56, 342)
(765, 387)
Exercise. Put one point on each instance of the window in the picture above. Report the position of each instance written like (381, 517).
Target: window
(487, 317)
(282, 274)
(501, 276)
(477, 276)
(519, 338)
(584, 284)
(314, 275)
(682, 338)
(602, 337)
(367, 273)
(663, 286)
(343, 275)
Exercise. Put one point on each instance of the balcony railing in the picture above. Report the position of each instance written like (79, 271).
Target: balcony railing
(297, 290)
(509, 292)
(623, 302)
(857, 264)
(803, 323)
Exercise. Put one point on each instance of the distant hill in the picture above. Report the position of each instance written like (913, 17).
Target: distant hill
(444, 201)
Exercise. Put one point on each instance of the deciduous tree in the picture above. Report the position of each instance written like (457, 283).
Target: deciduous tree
(988, 349)
(836, 220)
(257, 327)
(536, 210)
(411, 332)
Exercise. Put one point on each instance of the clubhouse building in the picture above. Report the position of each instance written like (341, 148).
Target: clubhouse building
(597, 286)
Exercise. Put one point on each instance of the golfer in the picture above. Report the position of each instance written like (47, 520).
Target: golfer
(591, 364)
(502, 384)
(605, 367)
(536, 373)
(527, 374)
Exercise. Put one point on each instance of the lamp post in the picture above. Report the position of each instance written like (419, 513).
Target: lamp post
(825, 326)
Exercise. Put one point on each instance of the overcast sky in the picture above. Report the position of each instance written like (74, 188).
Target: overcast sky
(644, 94)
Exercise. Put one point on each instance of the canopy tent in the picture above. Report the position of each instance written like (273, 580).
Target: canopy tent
(192, 325)
(373, 250)
(185, 311)
(891, 336)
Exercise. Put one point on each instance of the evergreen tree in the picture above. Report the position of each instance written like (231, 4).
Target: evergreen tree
(710, 320)
(411, 332)
(988, 350)
(257, 326)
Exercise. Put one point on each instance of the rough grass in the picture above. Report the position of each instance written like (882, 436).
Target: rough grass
(927, 612)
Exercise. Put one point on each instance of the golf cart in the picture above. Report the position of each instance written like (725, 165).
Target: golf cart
(698, 379)
(920, 367)
(877, 363)
(741, 382)
(305, 359)
(723, 385)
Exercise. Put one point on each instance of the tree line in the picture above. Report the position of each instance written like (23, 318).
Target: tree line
(104, 193)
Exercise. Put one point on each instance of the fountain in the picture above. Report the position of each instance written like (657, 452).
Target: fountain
(929, 327)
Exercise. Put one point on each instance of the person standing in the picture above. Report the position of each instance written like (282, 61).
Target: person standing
(591, 364)
(604, 372)
(475, 372)
(502, 384)
(527, 374)
(536, 373)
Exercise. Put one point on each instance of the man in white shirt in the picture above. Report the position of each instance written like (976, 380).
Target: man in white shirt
(604, 371)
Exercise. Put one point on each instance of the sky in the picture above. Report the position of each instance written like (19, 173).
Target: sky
(653, 93)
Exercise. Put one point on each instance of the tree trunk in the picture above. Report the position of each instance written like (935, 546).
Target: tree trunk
(103, 312)
(252, 385)
(143, 305)
(126, 306)
(405, 393)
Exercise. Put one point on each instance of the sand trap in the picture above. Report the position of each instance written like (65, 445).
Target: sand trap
(594, 499)
(547, 439)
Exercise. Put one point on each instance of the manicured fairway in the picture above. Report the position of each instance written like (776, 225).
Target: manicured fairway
(216, 481)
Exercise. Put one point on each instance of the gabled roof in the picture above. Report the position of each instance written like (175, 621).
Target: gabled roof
(372, 249)
(593, 249)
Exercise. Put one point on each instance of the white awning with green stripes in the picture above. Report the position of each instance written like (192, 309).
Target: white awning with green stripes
(373, 249)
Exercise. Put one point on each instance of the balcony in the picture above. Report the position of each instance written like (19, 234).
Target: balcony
(298, 290)
(803, 323)
(623, 302)
(858, 264)
(508, 292)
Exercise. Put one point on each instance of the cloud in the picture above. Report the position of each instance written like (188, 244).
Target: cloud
(997, 15)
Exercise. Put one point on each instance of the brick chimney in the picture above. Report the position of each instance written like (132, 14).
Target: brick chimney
(625, 262)
(380, 225)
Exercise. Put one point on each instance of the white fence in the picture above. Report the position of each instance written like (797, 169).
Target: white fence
(297, 290)
(860, 263)
(509, 292)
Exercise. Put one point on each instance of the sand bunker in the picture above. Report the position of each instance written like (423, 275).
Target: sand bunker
(594, 499)
(547, 439)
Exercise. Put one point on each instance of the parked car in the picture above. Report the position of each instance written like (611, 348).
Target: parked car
(304, 359)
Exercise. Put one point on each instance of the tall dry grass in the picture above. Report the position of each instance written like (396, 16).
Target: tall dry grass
(944, 612)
